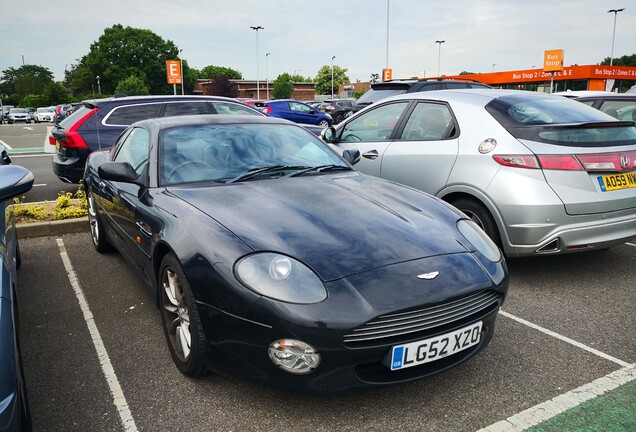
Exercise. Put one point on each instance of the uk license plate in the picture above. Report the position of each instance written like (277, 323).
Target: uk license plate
(617, 181)
(435, 348)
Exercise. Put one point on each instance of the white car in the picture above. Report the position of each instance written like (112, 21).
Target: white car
(19, 114)
(44, 114)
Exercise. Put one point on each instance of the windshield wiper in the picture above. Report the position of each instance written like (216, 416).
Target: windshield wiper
(320, 168)
(261, 170)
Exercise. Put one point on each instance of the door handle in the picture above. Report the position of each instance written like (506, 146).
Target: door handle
(371, 154)
(102, 186)
(143, 230)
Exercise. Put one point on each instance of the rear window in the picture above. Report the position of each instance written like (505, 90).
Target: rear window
(76, 115)
(560, 121)
(373, 95)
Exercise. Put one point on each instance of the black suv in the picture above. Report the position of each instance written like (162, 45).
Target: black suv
(97, 124)
(395, 87)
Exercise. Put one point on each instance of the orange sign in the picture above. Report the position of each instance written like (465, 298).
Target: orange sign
(173, 69)
(387, 74)
(553, 60)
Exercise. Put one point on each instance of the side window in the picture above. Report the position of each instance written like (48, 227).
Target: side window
(620, 109)
(134, 149)
(185, 108)
(428, 122)
(232, 108)
(374, 125)
(298, 107)
(127, 115)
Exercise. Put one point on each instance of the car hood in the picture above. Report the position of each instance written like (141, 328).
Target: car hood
(336, 224)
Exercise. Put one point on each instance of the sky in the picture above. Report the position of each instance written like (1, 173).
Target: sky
(301, 36)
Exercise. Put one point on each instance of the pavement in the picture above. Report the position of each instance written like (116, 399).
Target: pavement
(606, 404)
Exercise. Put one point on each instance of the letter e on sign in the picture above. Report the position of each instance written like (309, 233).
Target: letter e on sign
(173, 70)
(553, 60)
(387, 74)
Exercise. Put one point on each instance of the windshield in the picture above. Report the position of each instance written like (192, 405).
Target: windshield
(222, 153)
(562, 121)
(76, 115)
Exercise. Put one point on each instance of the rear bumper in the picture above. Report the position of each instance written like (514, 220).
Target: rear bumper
(69, 169)
(569, 234)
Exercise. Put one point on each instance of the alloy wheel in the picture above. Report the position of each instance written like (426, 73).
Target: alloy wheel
(176, 314)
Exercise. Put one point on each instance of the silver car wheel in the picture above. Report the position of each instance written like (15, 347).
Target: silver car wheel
(176, 315)
(92, 219)
(323, 123)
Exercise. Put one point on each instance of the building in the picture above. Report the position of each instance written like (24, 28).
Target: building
(303, 91)
(590, 77)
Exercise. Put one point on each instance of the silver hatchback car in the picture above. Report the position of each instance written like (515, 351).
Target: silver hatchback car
(541, 174)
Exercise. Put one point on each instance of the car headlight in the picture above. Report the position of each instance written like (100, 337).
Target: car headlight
(479, 239)
(281, 278)
(294, 356)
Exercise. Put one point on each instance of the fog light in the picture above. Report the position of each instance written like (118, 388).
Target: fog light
(294, 356)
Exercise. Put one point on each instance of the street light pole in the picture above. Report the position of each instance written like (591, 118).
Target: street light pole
(439, 54)
(99, 87)
(332, 76)
(258, 83)
(387, 33)
(267, 74)
(182, 74)
(615, 11)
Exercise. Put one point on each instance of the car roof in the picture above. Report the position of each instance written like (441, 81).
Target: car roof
(474, 96)
(218, 119)
(154, 98)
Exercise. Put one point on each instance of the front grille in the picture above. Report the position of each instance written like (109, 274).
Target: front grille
(387, 327)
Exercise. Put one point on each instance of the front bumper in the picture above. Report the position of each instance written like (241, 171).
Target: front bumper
(239, 345)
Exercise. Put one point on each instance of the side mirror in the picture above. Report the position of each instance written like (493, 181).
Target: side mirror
(328, 134)
(4, 158)
(14, 181)
(351, 156)
(117, 171)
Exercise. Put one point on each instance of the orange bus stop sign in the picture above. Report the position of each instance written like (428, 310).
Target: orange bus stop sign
(553, 60)
(173, 70)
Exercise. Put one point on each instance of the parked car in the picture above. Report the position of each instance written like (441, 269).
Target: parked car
(338, 108)
(14, 407)
(386, 89)
(4, 115)
(61, 112)
(44, 115)
(18, 115)
(297, 112)
(621, 106)
(31, 112)
(236, 223)
(97, 124)
(541, 174)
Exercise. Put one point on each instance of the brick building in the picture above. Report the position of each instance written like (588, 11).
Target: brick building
(303, 91)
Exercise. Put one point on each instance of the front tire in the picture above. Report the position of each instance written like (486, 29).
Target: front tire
(323, 123)
(98, 235)
(180, 317)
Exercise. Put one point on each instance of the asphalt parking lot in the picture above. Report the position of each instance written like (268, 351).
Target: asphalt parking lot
(95, 356)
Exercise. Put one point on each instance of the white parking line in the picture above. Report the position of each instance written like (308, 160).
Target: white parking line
(565, 339)
(630, 244)
(7, 146)
(559, 404)
(107, 368)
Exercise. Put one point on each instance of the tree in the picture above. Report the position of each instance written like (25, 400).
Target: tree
(283, 86)
(323, 79)
(221, 86)
(55, 94)
(626, 60)
(120, 53)
(25, 80)
(212, 71)
(466, 73)
(32, 100)
(132, 86)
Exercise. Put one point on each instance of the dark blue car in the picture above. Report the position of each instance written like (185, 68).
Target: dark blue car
(96, 124)
(14, 408)
(297, 112)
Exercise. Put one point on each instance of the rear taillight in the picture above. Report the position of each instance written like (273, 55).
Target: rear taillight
(599, 162)
(267, 110)
(609, 161)
(72, 139)
(560, 162)
(519, 161)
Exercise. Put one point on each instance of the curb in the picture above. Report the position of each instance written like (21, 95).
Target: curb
(53, 228)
